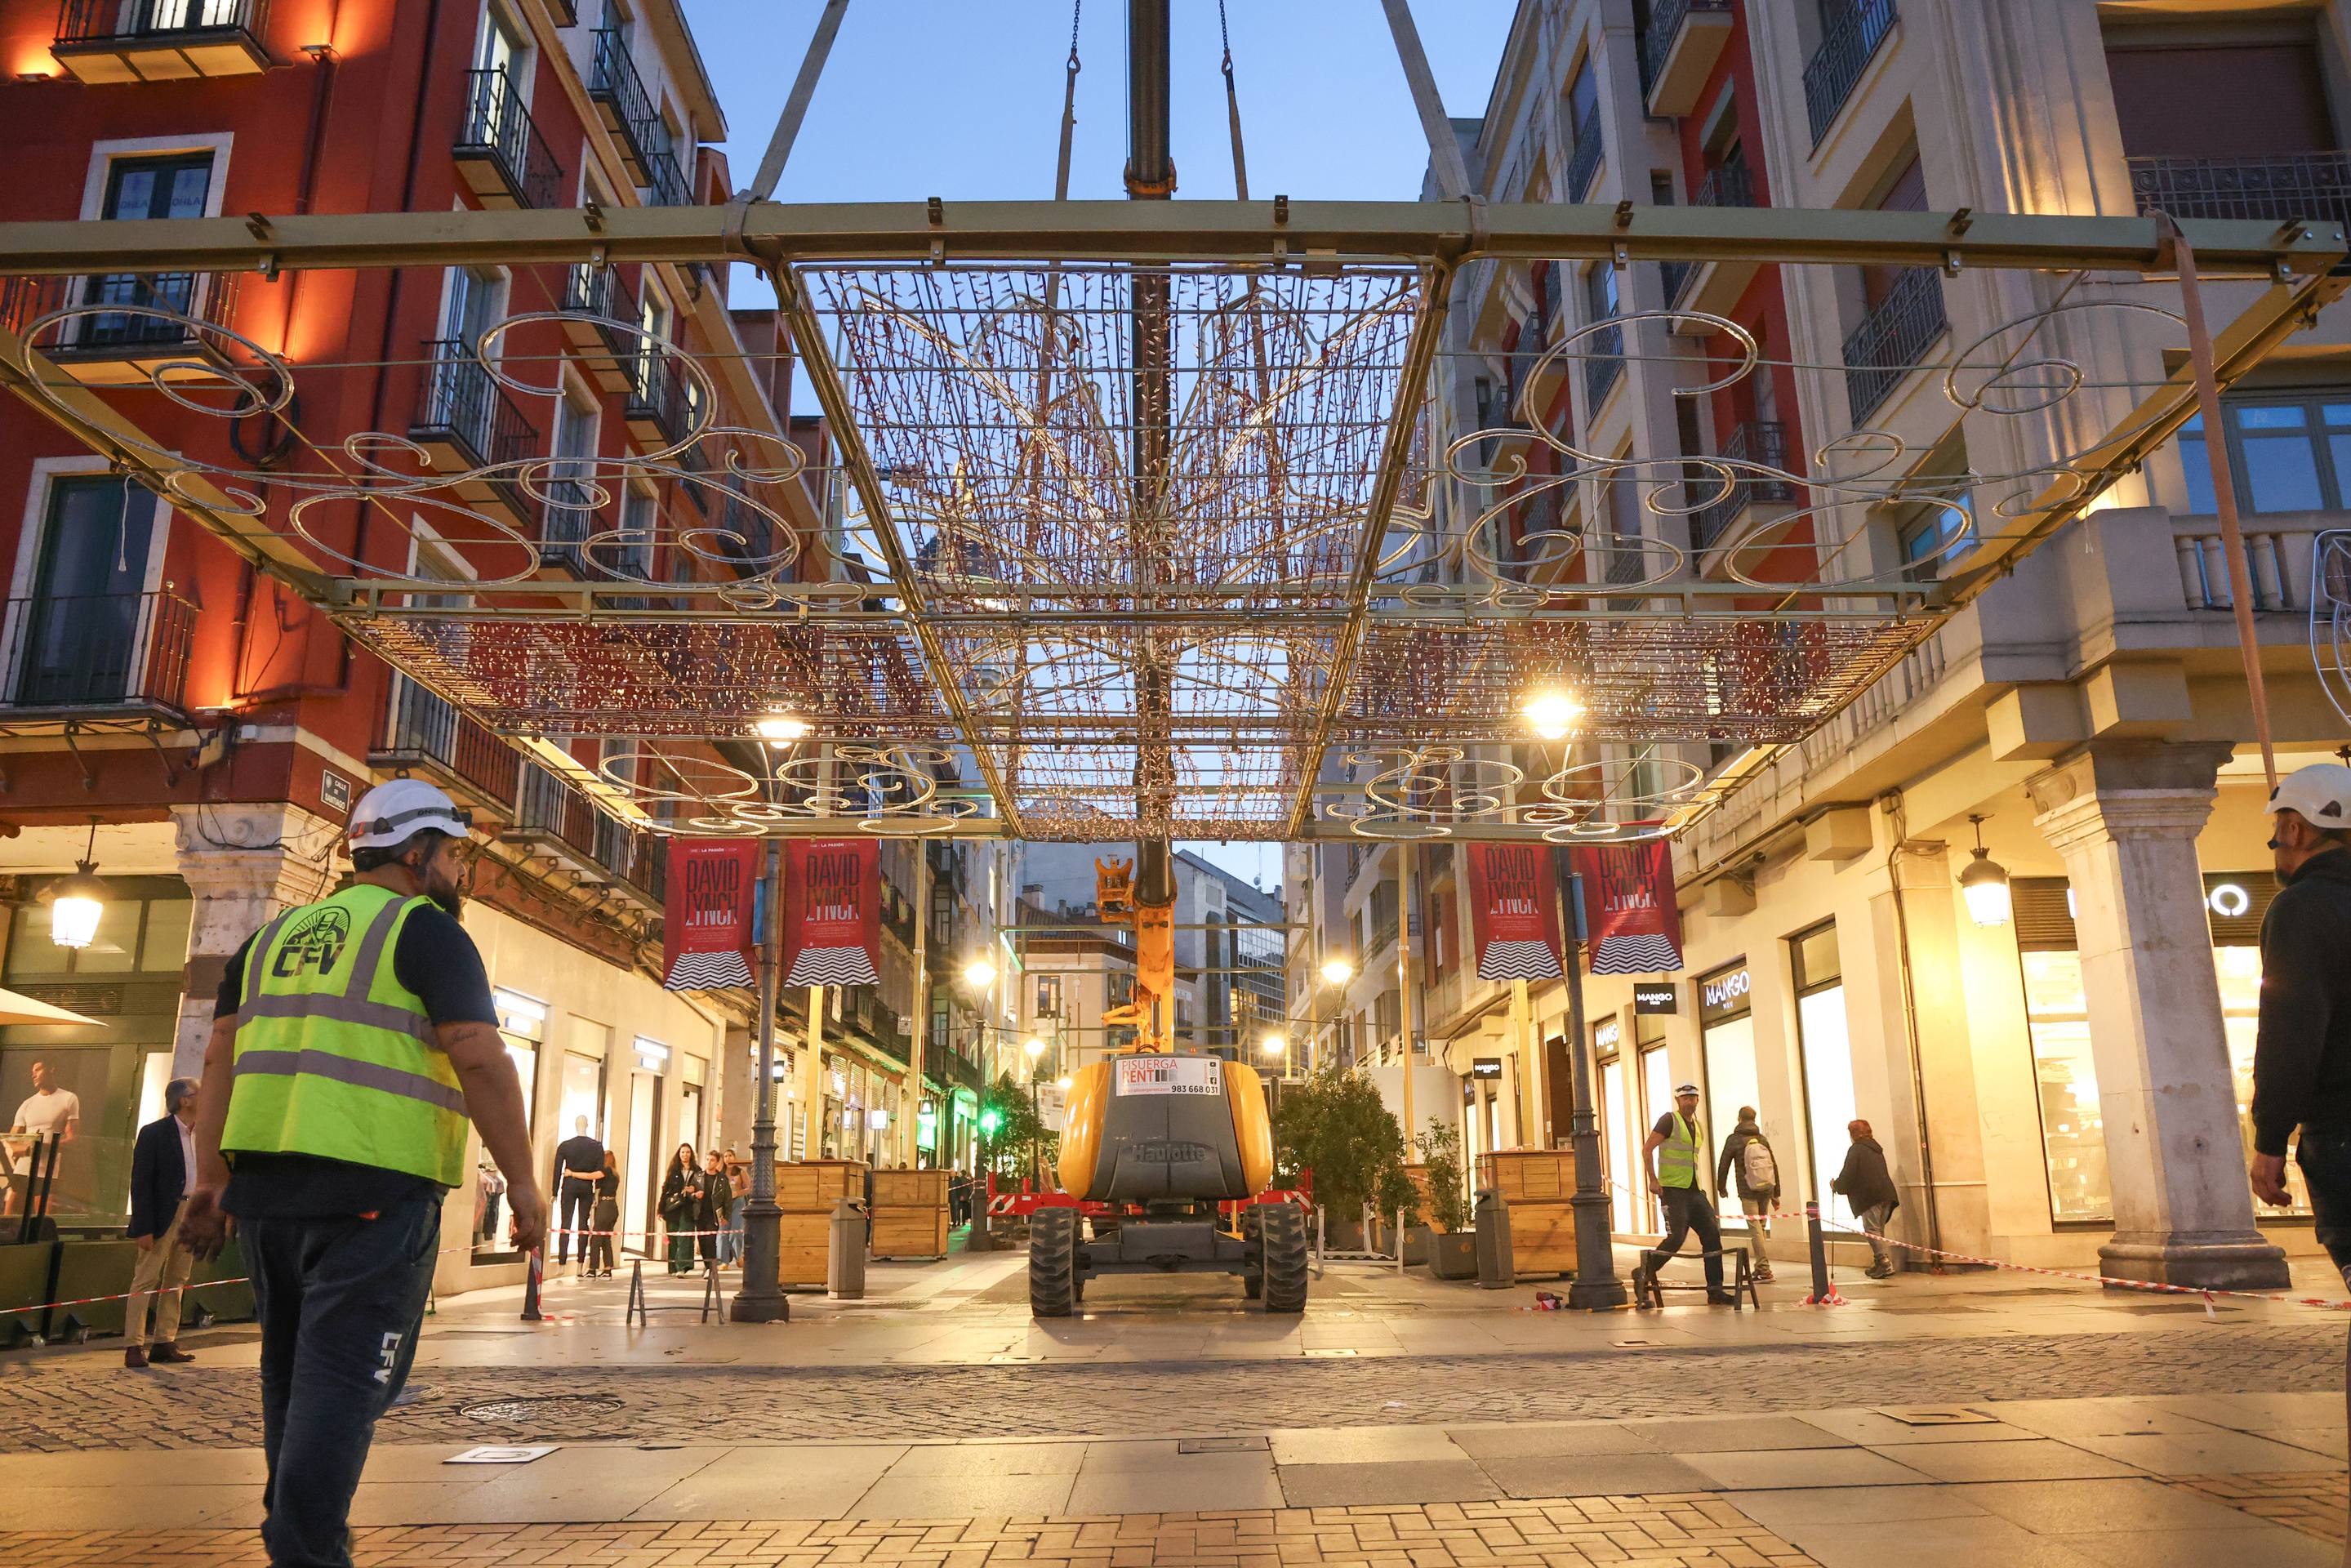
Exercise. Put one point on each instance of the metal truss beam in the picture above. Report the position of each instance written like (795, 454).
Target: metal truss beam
(1251, 233)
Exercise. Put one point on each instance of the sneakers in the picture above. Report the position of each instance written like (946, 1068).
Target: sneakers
(134, 1358)
(1877, 1271)
(168, 1354)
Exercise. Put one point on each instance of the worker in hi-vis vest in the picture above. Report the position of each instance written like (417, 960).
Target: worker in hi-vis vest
(1675, 1151)
(352, 1041)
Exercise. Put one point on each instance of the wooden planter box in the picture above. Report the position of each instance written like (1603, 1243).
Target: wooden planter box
(910, 1214)
(806, 1190)
(1539, 1185)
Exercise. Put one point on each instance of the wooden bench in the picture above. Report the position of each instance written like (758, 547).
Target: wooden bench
(1648, 1290)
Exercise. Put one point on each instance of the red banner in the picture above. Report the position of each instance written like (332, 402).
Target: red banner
(832, 912)
(1629, 913)
(1514, 911)
(708, 939)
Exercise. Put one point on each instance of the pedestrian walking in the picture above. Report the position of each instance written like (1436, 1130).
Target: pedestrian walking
(738, 1189)
(578, 1162)
(1747, 1160)
(717, 1208)
(681, 1208)
(1868, 1189)
(1673, 1152)
(352, 1040)
(607, 1217)
(162, 1168)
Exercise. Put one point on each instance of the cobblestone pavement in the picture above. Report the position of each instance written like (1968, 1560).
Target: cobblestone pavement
(84, 1402)
(2313, 1501)
(1666, 1531)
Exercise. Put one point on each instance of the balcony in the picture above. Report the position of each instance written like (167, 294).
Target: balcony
(1601, 372)
(101, 41)
(601, 319)
(96, 655)
(1758, 442)
(1837, 67)
(665, 182)
(1893, 338)
(160, 323)
(466, 422)
(571, 520)
(505, 160)
(1684, 38)
(1714, 287)
(656, 407)
(2316, 186)
(625, 105)
(425, 734)
(1584, 161)
(635, 861)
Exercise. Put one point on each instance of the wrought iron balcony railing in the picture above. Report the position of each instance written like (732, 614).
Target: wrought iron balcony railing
(159, 312)
(1726, 186)
(665, 182)
(462, 404)
(1600, 371)
(1893, 338)
(1757, 441)
(2277, 188)
(551, 810)
(1584, 161)
(570, 519)
(424, 731)
(627, 107)
(656, 397)
(499, 135)
(77, 653)
(1836, 66)
(160, 40)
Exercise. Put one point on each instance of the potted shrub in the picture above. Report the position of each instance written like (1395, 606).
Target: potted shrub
(1335, 1125)
(1454, 1252)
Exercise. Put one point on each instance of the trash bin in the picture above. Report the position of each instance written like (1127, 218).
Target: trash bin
(1495, 1269)
(844, 1269)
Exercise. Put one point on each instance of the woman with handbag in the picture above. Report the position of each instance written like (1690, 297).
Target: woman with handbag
(681, 1208)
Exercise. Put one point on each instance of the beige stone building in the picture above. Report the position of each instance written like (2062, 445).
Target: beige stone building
(2065, 1085)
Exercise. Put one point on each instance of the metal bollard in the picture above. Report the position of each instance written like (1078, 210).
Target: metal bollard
(844, 1261)
(1497, 1267)
(1820, 1247)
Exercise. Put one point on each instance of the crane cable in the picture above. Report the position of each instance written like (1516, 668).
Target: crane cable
(1233, 109)
(1069, 107)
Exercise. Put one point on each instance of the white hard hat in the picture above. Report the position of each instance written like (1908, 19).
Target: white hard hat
(391, 813)
(2319, 794)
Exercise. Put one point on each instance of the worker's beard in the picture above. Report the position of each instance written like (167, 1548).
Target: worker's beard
(449, 896)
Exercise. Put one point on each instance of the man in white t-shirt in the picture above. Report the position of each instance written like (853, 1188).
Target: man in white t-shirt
(50, 1109)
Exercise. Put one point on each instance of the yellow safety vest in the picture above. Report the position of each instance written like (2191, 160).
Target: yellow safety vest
(1677, 1155)
(334, 1057)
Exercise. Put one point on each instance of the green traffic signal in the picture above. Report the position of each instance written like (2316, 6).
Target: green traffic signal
(990, 1120)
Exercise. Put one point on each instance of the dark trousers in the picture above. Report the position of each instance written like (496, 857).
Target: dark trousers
(579, 1201)
(1687, 1209)
(339, 1301)
(600, 1245)
(2326, 1161)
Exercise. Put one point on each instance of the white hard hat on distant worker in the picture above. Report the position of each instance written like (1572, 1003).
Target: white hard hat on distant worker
(391, 813)
(2319, 794)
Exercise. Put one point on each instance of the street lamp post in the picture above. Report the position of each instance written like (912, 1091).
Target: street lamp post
(1035, 1048)
(1595, 1286)
(761, 1299)
(979, 974)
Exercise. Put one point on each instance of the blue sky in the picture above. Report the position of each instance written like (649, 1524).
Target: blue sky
(962, 100)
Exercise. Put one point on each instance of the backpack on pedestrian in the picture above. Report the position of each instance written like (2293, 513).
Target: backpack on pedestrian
(1757, 1168)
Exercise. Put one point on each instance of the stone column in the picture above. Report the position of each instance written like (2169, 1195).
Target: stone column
(244, 864)
(2125, 816)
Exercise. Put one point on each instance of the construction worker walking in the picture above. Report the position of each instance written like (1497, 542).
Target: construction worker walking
(1676, 1150)
(352, 1041)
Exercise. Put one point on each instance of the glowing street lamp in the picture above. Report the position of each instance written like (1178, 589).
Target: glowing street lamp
(1337, 971)
(1034, 1047)
(979, 974)
(1274, 1045)
(780, 728)
(1553, 715)
(77, 902)
(1984, 884)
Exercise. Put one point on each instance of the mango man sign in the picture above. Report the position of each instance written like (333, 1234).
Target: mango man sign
(832, 912)
(1514, 911)
(708, 938)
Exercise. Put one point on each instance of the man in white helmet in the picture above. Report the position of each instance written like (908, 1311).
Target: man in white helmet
(2302, 1060)
(352, 1041)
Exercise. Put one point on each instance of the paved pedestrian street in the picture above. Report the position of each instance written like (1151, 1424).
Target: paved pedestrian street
(1400, 1424)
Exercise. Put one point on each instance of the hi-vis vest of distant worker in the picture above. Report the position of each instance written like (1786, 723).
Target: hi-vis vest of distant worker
(334, 1057)
(1677, 1155)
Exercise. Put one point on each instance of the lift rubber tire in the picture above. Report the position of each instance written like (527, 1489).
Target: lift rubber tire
(1052, 1262)
(1253, 1232)
(1283, 1225)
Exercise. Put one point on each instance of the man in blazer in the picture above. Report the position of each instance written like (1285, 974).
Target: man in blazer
(163, 1164)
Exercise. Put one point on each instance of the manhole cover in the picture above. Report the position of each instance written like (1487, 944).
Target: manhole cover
(553, 1410)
